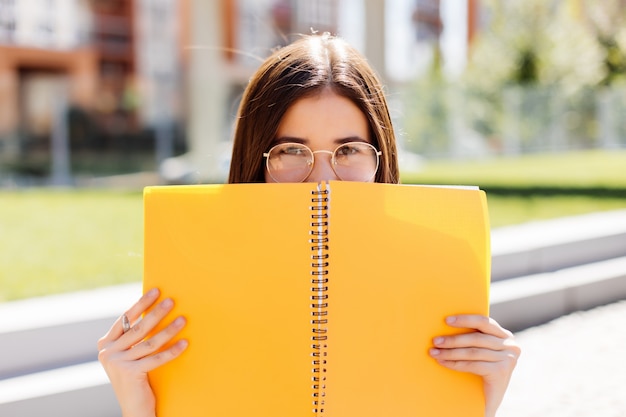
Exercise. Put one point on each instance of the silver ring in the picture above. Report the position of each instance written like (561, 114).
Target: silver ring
(125, 323)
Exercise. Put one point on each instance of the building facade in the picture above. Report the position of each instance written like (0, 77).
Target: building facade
(127, 67)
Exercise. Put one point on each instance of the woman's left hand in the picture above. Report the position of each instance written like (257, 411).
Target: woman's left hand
(487, 350)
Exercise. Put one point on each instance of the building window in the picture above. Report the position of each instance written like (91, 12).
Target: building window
(7, 21)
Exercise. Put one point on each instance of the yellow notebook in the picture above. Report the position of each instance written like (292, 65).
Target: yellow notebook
(316, 299)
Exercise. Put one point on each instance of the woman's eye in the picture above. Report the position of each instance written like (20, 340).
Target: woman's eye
(292, 151)
(348, 150)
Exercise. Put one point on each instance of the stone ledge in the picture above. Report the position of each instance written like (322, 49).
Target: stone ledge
(75, 391)
(59, 330)
(550, 245)
(528, 301)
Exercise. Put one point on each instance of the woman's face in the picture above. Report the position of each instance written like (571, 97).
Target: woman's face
(322, 122)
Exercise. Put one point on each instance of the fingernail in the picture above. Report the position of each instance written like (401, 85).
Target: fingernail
(450, 319)
(434, 352)
(167, 303)
(152, 292)
(438, 340)
(180, 321)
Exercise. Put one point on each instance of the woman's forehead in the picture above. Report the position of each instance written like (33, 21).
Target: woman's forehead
(328, 116)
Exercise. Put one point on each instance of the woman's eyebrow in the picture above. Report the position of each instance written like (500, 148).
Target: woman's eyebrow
(304, 141)
(285, 139)
(351, 139)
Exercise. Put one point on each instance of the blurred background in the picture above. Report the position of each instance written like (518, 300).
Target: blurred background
(96, 88)
(524, 98)
(99, 98)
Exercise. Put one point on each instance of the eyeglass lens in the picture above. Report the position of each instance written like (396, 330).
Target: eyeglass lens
(293, 162)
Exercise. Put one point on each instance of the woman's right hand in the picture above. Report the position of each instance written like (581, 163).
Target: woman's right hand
(128, 357)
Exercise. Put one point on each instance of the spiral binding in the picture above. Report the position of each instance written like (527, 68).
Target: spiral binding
(319, 293)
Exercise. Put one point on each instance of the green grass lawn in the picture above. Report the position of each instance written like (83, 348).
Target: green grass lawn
(574, 170)
(573, 181)
(509, 210)
(57, 241)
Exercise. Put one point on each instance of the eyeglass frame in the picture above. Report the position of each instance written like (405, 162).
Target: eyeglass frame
(333, 159)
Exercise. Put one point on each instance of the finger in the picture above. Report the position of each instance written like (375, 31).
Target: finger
(472, 354)
(116, 330)
(143, 304)
(475, 367)
(147, 324)
(473, 339)
(483, 324)
(151, 362)
(156, 342)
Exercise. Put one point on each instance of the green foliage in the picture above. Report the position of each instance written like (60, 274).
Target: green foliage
(536, 42)
(615, 61)
(527, 69)
(607, 21)
(536, 79)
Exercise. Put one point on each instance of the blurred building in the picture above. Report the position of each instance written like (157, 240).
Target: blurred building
(164, 76)
(90, 64)
(252, 29)
(43, 45)
(227, 40)
(119, 69)
(430, 35)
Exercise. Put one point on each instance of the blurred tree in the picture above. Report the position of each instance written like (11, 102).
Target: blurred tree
(527, 71)
(532, 74)
(607, 20)
(530, 71)
(530, 42)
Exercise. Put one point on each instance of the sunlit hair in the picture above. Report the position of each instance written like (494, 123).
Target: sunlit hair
(305, 68)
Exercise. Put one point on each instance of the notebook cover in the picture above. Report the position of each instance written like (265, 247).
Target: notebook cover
(237, 261)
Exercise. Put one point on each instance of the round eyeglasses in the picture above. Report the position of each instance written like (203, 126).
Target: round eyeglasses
(293, 162)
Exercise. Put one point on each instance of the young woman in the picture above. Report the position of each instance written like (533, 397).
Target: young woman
(313, 111)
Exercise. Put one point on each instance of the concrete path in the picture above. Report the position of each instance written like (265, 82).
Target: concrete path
(574, 366)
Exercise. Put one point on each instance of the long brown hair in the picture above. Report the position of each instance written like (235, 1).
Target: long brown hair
(302, 69)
